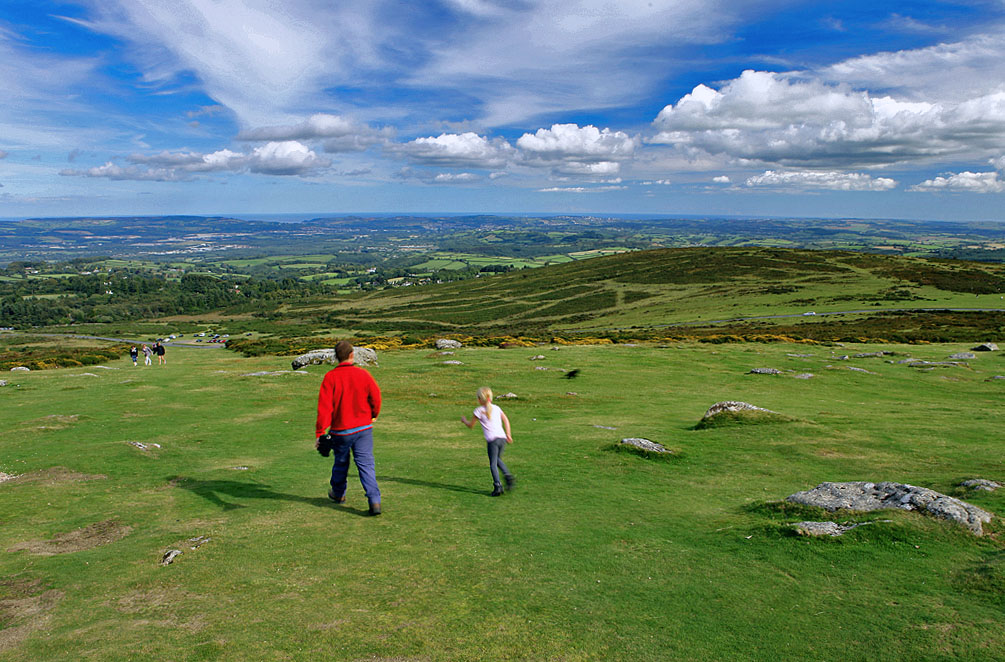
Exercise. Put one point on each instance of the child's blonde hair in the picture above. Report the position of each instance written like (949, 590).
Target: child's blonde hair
(485, 397)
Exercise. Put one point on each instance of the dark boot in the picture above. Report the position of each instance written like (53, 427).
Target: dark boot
(375, 508)
(497, 491)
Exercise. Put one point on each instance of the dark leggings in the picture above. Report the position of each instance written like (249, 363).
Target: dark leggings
(496, 448)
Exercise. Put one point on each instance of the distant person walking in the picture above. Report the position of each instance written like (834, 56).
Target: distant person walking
(146, 355)
(495, 427)
(348, 405)
(134, 354)
(159, 351)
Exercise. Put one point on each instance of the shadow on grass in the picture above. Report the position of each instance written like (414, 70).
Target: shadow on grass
(214, 491)
(427, 483)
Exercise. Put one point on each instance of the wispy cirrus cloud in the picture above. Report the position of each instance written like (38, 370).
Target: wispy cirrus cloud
(429, 176)
(831, 181)
(582, 189)
(547, 56)
(274, 158)
(338, 133)
(256, 58)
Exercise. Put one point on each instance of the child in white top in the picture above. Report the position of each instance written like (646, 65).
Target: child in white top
(495, 427)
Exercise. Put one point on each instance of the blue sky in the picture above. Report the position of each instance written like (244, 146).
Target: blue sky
(786, 108)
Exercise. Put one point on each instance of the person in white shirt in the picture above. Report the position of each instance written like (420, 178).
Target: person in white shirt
(495, 427)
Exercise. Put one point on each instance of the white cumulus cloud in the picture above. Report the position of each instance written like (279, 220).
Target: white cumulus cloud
(570, 142)
(833, 181)
(721, 179)
(970, 182)
(785, 119)
(458, 150)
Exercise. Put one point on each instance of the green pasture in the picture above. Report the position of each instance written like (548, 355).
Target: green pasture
(328, 278)
(454, 261)
(283, 261)
(597, 555)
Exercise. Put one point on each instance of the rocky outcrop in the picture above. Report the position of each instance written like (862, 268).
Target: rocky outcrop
(645, 444)
(731, 406)
(363, 356)
(20, 368)
(832, 529)
(507, 396)
(981, 484)
(734, 412)
(447, 343)
(765, 371)
(985, 347)
(865, 496)
(962, 356)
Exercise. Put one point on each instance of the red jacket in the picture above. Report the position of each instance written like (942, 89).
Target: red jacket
(349, 398)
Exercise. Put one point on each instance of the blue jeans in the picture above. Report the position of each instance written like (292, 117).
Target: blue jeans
(361, 445)
(495, 449)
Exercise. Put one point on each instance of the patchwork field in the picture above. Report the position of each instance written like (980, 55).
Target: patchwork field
(597, 554)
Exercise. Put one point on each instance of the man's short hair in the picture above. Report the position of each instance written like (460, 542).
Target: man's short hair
(343, 350)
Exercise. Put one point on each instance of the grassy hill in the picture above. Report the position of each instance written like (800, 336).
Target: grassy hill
(596, 555)
(655, 288)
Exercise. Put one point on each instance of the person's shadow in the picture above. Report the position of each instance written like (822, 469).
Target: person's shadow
(214, 491)
(428, 483)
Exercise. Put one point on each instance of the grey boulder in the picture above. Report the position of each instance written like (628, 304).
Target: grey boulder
(447, 343)
(865, 496)
(364, 356)
(985, 347)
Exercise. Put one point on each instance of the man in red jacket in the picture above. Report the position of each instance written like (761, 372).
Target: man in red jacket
(348, 404)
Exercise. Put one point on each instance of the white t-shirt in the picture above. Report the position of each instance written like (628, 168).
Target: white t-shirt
(492, 428)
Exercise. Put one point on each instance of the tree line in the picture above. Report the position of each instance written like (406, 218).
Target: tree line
(120, 295)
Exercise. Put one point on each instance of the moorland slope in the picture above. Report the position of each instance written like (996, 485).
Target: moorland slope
(666, 287)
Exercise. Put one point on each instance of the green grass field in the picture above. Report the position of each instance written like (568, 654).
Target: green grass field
(598, 555)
